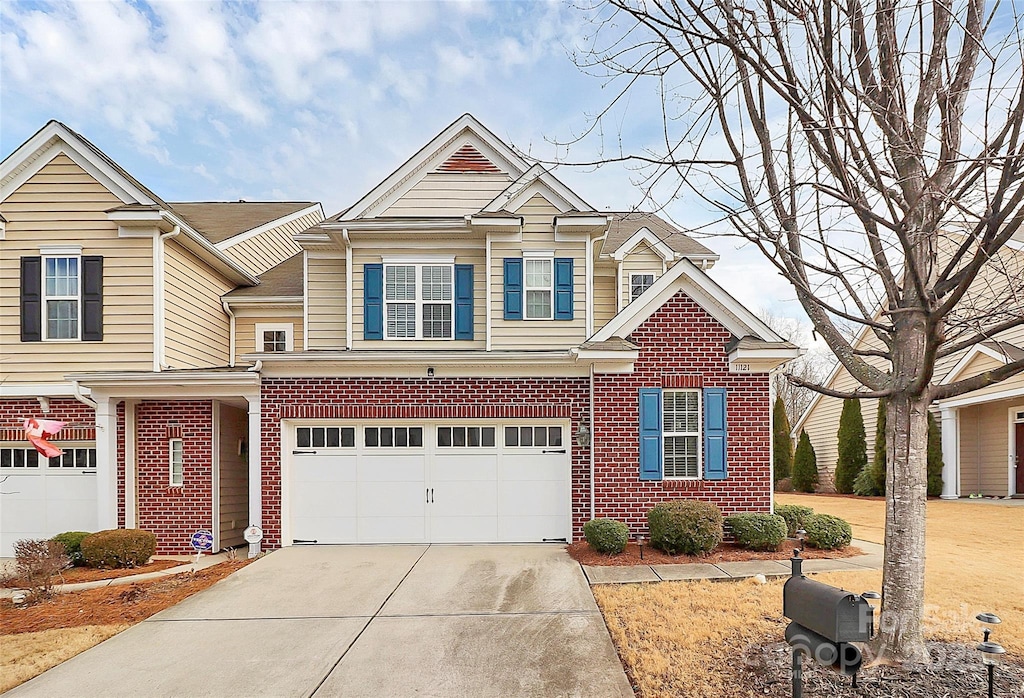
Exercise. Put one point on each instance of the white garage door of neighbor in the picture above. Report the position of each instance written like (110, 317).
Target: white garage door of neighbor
(434, 482)
(41, 497)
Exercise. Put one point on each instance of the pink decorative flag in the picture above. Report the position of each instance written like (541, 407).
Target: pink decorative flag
(37, 431)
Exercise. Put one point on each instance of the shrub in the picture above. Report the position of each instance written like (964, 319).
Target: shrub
(38, 561)
(757, 531)
(782, 443)
(934, 457)
(784, 485)
(606, 535)
(805, 465)
(119, 547)
(72, 542)
(871, 480)
(853, 447)
(827, 532)
(794, 515)
(685, 526)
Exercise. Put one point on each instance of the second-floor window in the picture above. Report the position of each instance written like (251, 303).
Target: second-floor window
(271, 337)
(61, 297)
(419, 301)
(638, 283)
(539, 289)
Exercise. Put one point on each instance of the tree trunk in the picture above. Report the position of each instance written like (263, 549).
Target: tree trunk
(900, 637)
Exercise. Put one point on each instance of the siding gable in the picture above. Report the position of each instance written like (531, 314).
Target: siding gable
(447, 194)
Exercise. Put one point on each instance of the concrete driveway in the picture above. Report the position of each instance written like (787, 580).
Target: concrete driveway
(477, 620)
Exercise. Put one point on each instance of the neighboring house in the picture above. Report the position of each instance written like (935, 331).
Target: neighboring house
(982, 431)
(97, 273)
(469, 353)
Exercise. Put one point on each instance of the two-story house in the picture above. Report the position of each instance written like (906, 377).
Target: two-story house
(468, 353)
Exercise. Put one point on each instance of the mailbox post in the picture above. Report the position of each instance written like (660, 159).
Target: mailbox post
(825, 621)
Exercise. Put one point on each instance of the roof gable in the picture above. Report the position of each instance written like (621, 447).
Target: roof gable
(465, 132)
(537, 180)
(467, 159)
(982, 357)
(646, 238)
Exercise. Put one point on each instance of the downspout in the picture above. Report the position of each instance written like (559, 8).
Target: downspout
(618, 286)
(257, 367)
(77, 390)
(160, 353)
(348, 288)
(231, 332)
(593, 443)
(487, 296)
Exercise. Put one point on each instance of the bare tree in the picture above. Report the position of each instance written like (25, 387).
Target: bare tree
(873, 152)
(811, 368)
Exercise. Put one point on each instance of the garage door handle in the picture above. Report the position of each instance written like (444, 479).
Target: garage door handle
(561, 450)
(303, 453)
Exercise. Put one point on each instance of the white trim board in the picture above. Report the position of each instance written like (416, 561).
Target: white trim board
(966, 359)
(652, 240)
(537, 180)
(270, 225)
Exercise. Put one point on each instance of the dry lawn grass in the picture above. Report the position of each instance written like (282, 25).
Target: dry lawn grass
(29, 654)
(689, 638)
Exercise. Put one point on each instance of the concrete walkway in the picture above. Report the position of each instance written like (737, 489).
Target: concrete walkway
(870, 560)
(189, 564)
(488, 621)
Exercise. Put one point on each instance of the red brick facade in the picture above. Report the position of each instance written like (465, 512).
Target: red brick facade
(79, 417)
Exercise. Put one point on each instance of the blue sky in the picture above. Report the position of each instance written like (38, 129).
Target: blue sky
(321, 100)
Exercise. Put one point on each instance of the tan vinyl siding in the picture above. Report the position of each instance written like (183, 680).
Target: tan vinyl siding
(455, 194)
(325, 270)
(465, 252)
(642, 260)
(605, 278)
(985, 447)
(62, 203)
(538, 234)
(270, 248)
(247, 319)
(234, 477)
(197, 328)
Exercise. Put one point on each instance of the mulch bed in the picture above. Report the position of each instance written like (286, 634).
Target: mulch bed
(76, 575)
(956, 671)
(110, 605)
(726, 552)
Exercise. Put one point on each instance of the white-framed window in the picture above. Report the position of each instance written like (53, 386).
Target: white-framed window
(538, 286)
(62, 290)
(681, 433)
(638, 283)
(177, 459)
(465, 437)
(419, 301)
(271, 337)
(532, 436)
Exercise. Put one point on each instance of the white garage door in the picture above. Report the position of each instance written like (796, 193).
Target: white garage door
(433, 482)
(40, 498)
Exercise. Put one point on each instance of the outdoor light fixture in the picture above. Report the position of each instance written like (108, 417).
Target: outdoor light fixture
(801, 534)
(990, 651)
(430, 372)
(583, 436)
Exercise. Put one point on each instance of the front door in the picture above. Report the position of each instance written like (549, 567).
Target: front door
(1019, 451)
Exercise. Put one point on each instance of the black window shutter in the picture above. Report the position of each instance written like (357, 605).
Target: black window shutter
(92, 299)
(31, 299)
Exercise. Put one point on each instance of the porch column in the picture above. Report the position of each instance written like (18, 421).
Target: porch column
(255, 469)
(131, 478)
(950, 452)
(106, 461)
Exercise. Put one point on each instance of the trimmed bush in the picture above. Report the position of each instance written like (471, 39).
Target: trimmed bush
(934, 457)
(794, 515)
(72, 542)
(805, 465)
(757, 531)
(685, 526)
(606, 536)
(827, 532)
(119, 547)
(782, 442)
(784, 485)
(853, 447)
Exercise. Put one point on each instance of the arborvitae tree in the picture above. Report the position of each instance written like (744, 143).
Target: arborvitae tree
(871, 481)
(782, 446)
(934, 457)
(853, 447)
(805, 465)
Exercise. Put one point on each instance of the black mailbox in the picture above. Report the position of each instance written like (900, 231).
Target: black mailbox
(833, 613)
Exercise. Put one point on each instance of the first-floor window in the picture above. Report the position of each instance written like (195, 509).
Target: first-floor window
(177, 462)
(419, 300)
(638, 283)
(61, 289)
(681, 433)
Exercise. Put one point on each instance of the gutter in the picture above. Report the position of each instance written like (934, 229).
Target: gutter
(76, 387)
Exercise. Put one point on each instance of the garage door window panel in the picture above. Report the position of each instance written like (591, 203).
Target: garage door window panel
(325, 437)
(18, 458)
(393, 437)
(465, 437)
(533, 436)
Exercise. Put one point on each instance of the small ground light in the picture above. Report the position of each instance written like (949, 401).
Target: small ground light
(640, 543)
(990, 651)
(801, 534)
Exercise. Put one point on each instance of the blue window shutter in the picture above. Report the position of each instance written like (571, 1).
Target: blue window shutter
(373, 301)
(714, 434)
(563, 288)
(513, 288)
(650, 434)
(463, 301)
